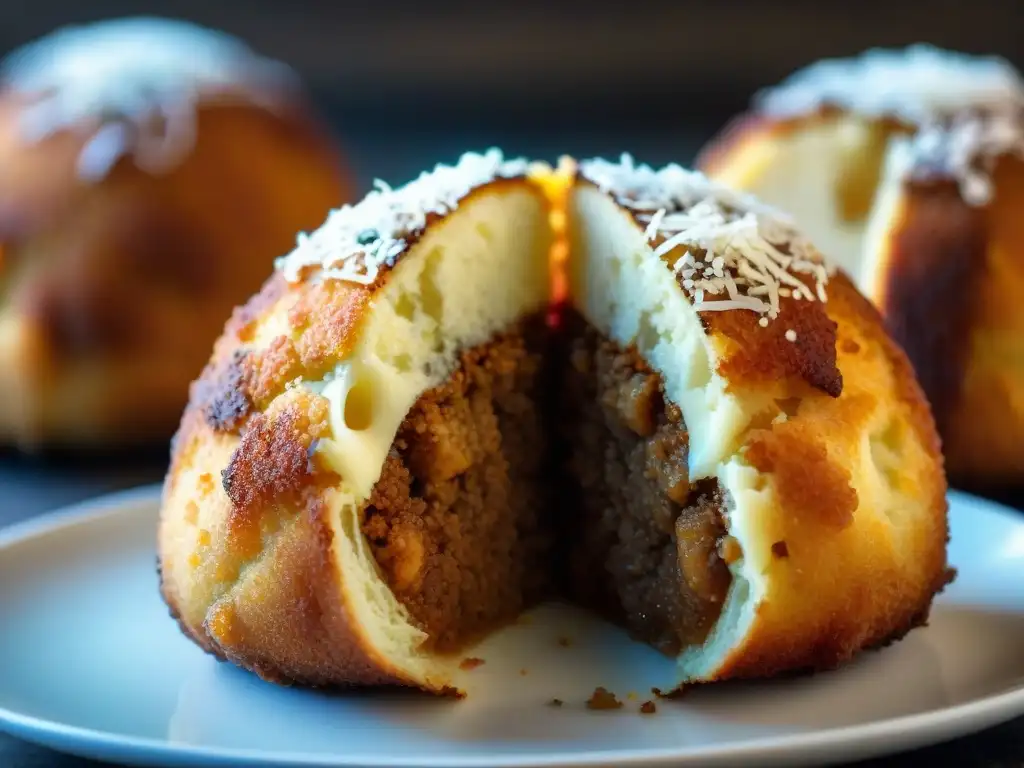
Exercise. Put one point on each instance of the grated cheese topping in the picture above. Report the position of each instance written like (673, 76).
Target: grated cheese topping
(967, 111)
(357, 241)
(737, 253)
(135, 84)
(966, 147)
(913, 83)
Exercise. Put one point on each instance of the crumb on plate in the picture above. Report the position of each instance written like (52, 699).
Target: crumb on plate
(602, 698)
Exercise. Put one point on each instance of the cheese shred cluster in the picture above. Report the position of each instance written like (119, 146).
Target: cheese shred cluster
(966, 111)
(358, 241)
(736, 252)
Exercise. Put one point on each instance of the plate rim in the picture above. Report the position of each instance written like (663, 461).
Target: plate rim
(859, 741)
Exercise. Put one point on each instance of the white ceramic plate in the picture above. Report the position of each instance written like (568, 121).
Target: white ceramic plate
(90, 663)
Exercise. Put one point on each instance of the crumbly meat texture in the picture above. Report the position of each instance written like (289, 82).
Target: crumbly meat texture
(646, 548)
(456, 521)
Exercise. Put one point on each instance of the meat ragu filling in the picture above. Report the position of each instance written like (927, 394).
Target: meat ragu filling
(457, 521)
(530, 440)
(648, 545)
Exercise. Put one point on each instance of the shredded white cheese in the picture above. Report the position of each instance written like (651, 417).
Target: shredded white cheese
(965, 147)
(736, 252)
(357, 241)
(966, 111)
(135, 85)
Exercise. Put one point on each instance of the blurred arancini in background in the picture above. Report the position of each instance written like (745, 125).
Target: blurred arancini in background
(906, 166)
(150, 172)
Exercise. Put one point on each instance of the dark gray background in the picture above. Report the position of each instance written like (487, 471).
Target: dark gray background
(407, 84)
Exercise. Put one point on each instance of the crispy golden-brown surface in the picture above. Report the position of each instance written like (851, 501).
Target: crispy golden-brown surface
(251, 573)
(247, 559)
(248, 550)
(950, 289)
(858, 543)
(763, 355)
(113, 290)
(319, 324)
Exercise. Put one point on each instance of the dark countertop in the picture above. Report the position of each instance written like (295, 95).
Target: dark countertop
(1001, 747)
(33, 486)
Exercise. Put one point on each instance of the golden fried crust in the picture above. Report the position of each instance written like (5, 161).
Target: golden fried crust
(806, 481)
(320, 323)
(758, 356)
(860, 550)
(248, 558)
(825, 543)
(252, 574)
(173, 253)
(931, 284)
(320, 326)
